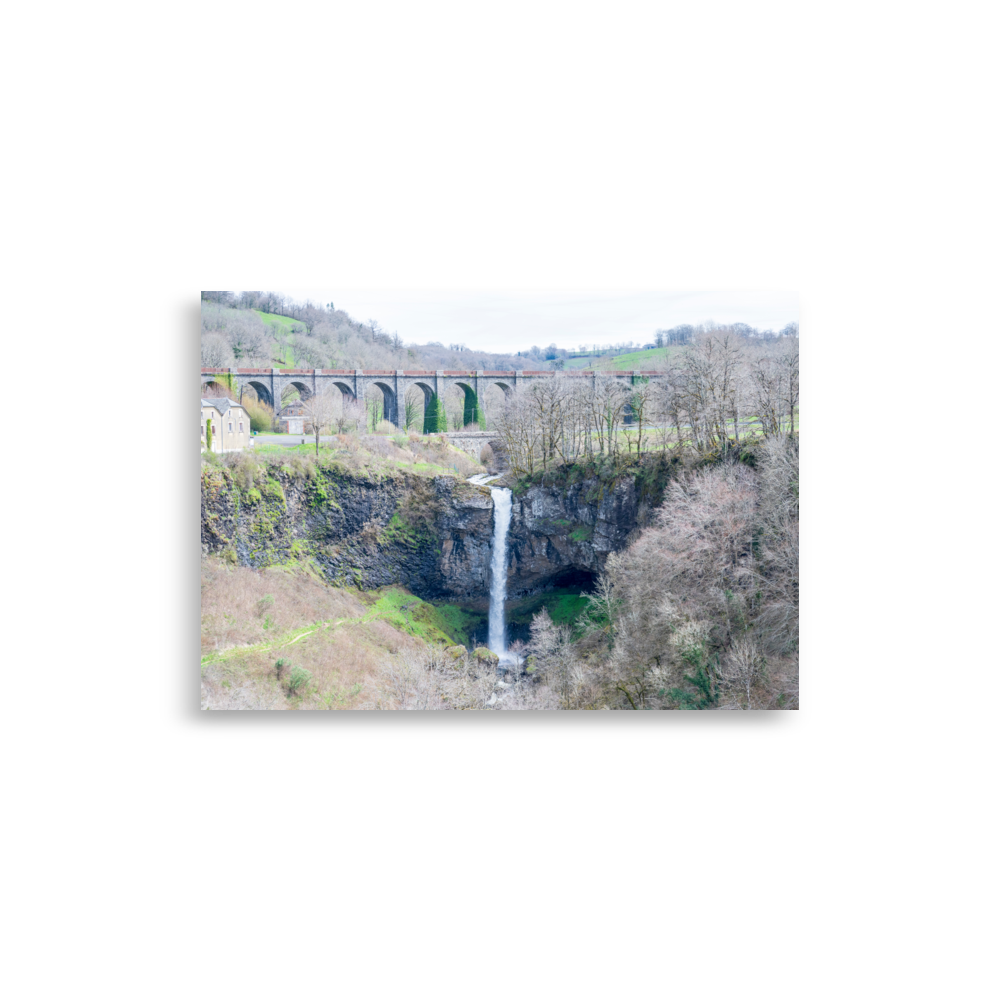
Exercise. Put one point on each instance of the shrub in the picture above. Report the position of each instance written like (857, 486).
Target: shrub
(435, 416)
(243, 465)
(375, 445)
(298, 678)
(460, 462)
(705, 692)
(261, 415)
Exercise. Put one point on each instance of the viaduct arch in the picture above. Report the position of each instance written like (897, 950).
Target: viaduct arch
(356, 384)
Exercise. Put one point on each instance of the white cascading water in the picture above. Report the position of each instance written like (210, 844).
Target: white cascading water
(498, 570)
(497, 640)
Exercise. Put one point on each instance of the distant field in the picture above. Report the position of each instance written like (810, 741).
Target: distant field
(637, 359)
(574, 363)
(624, 362)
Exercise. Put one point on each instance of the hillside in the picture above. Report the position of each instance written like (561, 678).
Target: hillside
(234, 334)
(283, 330)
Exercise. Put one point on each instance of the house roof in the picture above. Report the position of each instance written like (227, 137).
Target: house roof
(221, 403)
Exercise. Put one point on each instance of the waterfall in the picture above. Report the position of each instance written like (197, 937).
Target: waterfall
(498, 566)
(498, 570)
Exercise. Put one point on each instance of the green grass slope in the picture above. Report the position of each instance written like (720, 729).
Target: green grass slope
(436, 624)
(637, 359)
(623, 362)
(281, 329)
(273, 319)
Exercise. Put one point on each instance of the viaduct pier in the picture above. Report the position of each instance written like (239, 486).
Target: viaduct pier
(391, 386)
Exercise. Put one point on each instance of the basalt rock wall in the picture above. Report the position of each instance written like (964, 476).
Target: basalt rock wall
(433, 536)
(559, 531)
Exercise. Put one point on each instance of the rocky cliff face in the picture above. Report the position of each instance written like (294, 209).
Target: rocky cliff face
(433, 536)
(562, 532)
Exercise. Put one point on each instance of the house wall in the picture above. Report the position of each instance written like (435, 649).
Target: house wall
(224, 439)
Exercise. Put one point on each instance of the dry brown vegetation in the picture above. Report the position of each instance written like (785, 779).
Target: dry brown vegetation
(701, 611)
(413, 449)
(283, 639)
(252, 619)
(367, 454)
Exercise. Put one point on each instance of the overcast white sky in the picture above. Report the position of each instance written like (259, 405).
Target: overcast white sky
(515, 320)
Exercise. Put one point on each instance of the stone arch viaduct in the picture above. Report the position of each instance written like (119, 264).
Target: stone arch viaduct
(270, 383)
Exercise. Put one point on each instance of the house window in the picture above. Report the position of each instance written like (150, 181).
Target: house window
(241, 426)
(230, 427)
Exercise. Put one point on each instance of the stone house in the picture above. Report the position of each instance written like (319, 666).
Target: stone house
(230, 425)
(291, 419)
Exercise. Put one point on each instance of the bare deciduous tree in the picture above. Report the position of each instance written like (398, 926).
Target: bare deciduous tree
(412, 406)
(350, 415)
(745, 667)
(215, 351)
(320, 409)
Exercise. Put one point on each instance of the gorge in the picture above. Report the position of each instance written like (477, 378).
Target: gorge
(437, 536)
